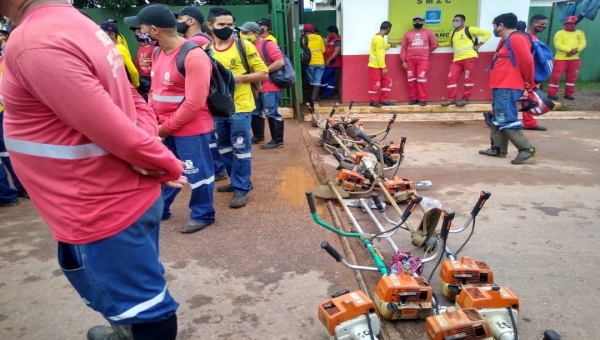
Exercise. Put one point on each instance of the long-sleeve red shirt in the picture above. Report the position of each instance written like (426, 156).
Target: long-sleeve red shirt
(73, 128)
(169, 88)
(418, 44)
(503, 75)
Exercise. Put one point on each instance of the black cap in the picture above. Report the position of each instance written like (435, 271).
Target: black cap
(192, 12)
(153, 15)
(5, 32)
(264, 22)
(109, 26)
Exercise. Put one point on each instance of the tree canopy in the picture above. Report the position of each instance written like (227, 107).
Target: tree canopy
(115, 5)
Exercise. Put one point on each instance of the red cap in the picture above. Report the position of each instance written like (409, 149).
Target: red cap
(309, 28)
(571, 20)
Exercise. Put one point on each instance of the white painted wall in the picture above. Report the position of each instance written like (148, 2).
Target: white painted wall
(360, 22)
(541, 3)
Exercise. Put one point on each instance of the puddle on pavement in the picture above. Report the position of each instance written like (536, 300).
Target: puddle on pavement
(294, 182)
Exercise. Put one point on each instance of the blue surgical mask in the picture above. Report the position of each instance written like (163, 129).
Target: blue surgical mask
(456, 24)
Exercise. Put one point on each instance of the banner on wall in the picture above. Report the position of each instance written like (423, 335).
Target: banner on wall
(438, 16)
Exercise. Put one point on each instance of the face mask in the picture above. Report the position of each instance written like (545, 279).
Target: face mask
(456, 24)
(251, 38)
(263, 30)
(540, 29)
(417, 26)
(139, 38)
(569, 27)
(182, 27)
(223, 33)
(496, 32)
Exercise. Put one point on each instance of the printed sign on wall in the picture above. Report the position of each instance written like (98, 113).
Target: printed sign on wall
(438, 16)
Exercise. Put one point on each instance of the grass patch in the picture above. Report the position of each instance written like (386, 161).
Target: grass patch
(579, 85)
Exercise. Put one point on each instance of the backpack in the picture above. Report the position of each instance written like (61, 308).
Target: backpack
(306, 55)
(468, 34)
(543, 58)
(256, 87)
(284, 77)
(222, 85)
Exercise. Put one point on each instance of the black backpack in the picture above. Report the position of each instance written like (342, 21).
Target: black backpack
(222, 85)
(306, 54)
(468, 34)
(284, 77)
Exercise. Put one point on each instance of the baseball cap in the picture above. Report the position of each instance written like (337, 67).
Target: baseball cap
(250, 27)
(192, 12)
(309, 28)
(4, 32)
(154, 15)
(264, 22)
(109, 26)
(419, 17)
(571, 20)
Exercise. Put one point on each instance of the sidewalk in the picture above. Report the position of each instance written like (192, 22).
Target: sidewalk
(257, 273)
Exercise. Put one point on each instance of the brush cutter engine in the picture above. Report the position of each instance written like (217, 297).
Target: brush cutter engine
(400, 189)
(464, 324)
(349, 316)
(403, 296)
(498, 305)
(350, 180)
(457, 275)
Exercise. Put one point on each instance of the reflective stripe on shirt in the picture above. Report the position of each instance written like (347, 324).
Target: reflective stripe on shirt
(167, 99)
(54, 151)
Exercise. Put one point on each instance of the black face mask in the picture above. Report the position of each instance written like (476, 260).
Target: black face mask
(182, 27)
(139, 38)
(417, 25)
(223, 33)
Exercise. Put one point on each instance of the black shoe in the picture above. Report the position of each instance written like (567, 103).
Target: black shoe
(413, 102)
(553, 97)
(164, 218)
(225, 188)
(524, 154)
(238, 201)
(423, 103)
(449, 102)
(536, 128)
(374, 104)
(255, 140)
(272, 145)
(192, 227)
(569, 97)
(23, 193)
(276, 127)
(9, 204)
(461, 103)
(387, 103)
(110, 333)
(221, 176)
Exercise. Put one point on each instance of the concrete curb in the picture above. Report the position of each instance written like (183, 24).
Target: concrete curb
(459, 116)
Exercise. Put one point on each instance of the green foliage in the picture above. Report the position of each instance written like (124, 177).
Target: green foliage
(118, 5)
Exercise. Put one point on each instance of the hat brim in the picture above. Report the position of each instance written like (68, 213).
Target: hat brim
(176, 14)
(134, 28)
(132, 21)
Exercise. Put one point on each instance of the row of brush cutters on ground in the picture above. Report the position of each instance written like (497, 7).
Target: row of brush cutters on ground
(481, 310)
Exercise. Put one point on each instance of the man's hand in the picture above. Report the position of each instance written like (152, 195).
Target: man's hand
(476, 47)
(404, 65)
(394, 45)
(239, 78)
(384, 71)
(574, 50)
(162, 133)
(177, 184)
(149, 173)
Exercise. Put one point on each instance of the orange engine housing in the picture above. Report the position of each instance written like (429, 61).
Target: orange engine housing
(350, 180)
(345, 307)
(453, 324)
(360, 155)
(455, 275)
(397, 185)
(392, 149)
(403, 296)
(487, 297)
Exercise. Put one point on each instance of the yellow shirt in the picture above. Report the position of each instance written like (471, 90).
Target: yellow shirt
(122, 40)
(377, 55)
(317, 48)
(131, 69)
(463, 46)
(564, 41)
(231, 59)
(271, 38)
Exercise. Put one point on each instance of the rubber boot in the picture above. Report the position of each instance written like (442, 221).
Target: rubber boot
(276, 127)
(314, 96)
(499, 143)
(526, 150)
(112, 332)
(258, 129)
(160, 330)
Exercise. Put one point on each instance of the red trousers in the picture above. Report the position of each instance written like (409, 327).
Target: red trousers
(417, 78)
(571, 67)
(456, 69)
(379, 82)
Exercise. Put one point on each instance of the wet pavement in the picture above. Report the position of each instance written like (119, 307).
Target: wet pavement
(259, 273)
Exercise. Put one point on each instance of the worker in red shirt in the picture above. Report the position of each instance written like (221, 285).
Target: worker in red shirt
(508, 83)
(73, 113)
(333, 61)
(143, 61)
(417, 45)
(190, 22)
